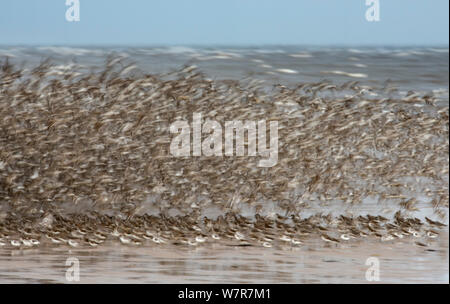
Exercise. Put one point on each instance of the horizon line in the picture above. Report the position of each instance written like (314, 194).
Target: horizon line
(249, 45)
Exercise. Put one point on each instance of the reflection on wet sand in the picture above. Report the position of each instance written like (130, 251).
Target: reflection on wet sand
(314, 262)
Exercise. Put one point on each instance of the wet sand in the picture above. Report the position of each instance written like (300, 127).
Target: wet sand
(313, 262)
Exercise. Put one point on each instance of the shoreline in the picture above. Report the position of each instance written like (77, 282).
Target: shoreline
(313, 263)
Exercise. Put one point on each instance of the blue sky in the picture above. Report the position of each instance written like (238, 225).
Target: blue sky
(224, 22)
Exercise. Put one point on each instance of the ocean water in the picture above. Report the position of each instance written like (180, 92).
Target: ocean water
(422, 69)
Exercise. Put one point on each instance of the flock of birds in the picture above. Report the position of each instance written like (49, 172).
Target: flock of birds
(85, 159)
(230, 229)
